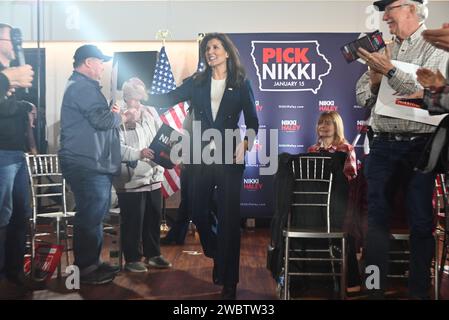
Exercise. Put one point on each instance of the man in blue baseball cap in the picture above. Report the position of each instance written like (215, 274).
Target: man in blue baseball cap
(89, 51)
(89, 157)
(89, 55)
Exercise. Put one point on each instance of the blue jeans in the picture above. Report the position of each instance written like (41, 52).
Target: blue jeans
(93, 199)
(15, 211)
(391, 163)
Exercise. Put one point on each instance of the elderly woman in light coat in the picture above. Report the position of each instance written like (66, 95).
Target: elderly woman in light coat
(139, 184)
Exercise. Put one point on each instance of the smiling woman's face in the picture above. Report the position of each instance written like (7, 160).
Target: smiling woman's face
(216, 54)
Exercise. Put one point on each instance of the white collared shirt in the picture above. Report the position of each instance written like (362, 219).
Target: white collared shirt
(217, 89)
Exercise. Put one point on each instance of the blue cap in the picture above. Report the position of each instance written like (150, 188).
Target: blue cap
(89, 51)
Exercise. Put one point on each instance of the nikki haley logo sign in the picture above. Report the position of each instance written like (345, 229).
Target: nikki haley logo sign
(252, 184)
(290, 125)
(327, 105)
(289, 65)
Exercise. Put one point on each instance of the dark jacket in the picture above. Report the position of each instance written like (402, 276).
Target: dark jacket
(234, 101)
(89, 129)
(14, 123)
(435, 156)
(4, 86)
(283, 188)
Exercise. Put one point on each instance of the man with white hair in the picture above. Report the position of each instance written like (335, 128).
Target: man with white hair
(397, 145)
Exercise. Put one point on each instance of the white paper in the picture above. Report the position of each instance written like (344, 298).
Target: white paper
(386, 100)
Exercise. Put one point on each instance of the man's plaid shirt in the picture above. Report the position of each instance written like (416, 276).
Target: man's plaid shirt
(413, 50)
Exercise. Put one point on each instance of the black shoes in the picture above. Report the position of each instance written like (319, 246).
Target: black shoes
(18, 279)
(107, 268)
(166, 241)
(97, 277)
(229, 292)
(375, 294)
(158, 262)
(12, 291)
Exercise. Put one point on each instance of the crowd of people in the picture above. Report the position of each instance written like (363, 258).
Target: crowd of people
(103, 146)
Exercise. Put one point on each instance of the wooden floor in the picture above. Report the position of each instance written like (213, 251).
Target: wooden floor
(190, 277)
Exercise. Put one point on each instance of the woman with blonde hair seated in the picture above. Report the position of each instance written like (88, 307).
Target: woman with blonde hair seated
(331, 138)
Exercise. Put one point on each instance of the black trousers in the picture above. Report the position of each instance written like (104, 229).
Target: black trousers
(389, 168)
(220, 234)
(141, 220)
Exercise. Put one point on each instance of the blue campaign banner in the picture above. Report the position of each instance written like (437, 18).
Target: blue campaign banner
(295, 77)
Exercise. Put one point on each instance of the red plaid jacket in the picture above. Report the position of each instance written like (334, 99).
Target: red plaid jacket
(350, 169)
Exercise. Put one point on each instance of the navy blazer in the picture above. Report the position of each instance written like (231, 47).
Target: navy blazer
(234, 101)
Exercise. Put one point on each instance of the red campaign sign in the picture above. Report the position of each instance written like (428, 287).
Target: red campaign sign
(45, 261)
(294, 77)
(289, 65)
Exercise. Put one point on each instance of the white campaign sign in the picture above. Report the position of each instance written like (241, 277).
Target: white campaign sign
(387, 100)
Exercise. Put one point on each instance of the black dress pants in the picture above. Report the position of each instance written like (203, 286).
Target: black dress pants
(141, 220)
(220, 235)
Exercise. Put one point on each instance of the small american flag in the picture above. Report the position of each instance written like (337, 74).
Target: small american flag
(163, 82)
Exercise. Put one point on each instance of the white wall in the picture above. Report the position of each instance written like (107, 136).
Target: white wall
(140, 20)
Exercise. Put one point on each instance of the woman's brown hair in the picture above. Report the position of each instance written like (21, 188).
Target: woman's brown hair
(235, 72)
(336, 119)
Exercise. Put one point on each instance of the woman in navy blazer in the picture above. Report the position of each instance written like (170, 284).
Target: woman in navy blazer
(218, 95)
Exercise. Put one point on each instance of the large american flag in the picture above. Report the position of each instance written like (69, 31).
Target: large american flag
(163, 82)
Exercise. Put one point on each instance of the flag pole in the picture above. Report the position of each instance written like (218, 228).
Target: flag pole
(163, 34)
(164, 225)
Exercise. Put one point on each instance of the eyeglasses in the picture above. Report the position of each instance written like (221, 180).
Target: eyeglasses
(388, 9)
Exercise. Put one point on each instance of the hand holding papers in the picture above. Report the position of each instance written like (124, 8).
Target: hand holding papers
(390, 103)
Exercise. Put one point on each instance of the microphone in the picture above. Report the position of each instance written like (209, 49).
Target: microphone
(16, 39)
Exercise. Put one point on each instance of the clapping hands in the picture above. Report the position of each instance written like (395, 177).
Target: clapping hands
(427, 78)
(438, 37)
